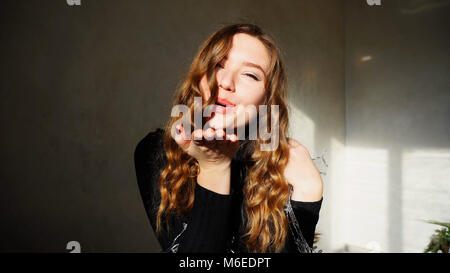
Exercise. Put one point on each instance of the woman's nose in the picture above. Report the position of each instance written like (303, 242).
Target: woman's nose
(226, 81)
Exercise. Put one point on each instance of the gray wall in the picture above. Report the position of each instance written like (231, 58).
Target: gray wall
(397, 96)
(83, 84)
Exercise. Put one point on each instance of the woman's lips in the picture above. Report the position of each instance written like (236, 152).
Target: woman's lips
(224, 101)
(223, 110)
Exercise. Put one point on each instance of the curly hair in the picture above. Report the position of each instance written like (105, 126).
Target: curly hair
(265, 190)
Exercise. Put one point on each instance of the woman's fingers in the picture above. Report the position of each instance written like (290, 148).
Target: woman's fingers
(220, 133)
(232, 137)
(180, 137)
(229, 119)
(202, 137)
(209, 134)
(205, 145)
(197, 136)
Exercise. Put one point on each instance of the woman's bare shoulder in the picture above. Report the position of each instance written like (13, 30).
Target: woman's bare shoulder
(303, 174)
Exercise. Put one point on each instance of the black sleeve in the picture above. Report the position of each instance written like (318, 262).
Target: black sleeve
(307, 215)
(149, 160)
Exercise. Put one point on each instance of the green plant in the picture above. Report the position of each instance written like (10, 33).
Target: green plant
(440, 240)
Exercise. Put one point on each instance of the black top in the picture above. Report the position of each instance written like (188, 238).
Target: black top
(215, 221)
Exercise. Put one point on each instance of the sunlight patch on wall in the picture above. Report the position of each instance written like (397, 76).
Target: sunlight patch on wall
(333, 223)
(301, 127)
(367, 175)
(425, 195)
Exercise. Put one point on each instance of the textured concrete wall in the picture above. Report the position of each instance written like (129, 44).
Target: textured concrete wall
(397, 96)
(83, 84)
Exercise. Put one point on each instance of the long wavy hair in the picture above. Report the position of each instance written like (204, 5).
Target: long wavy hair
(265, 189)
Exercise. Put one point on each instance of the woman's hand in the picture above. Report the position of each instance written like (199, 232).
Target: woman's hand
(206, 149)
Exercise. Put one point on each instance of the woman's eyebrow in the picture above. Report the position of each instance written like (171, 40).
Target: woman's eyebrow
(247, 63)
(254, 65)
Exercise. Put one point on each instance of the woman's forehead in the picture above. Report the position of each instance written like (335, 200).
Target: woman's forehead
(246, 48)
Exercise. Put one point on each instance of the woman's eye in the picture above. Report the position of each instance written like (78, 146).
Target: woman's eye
(219, 65)
(252, 76)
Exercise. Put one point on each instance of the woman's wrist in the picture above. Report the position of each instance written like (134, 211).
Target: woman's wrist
(215, 177)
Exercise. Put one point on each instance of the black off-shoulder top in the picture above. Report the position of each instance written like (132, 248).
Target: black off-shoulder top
(215, 223)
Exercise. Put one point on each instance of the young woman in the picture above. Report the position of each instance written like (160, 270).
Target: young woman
(229, 195)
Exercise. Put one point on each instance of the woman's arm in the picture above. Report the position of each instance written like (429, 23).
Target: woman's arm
(208, 224)
(149, 161)
(302, 174)
(306, 199)
(307, 216)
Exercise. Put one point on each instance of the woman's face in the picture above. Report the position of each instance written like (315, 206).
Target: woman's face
(241, 80)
